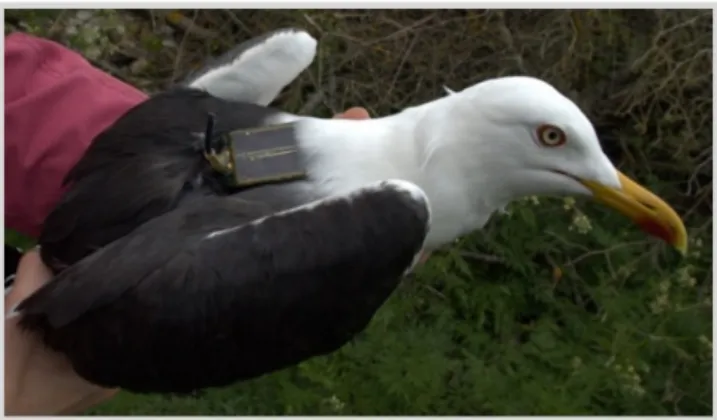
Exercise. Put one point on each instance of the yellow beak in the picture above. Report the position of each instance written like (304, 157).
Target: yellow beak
(644, 208)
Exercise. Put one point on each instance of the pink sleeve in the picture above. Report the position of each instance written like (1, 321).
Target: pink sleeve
(55, 104)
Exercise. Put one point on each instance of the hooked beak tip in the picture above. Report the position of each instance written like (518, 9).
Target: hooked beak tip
(651, 213)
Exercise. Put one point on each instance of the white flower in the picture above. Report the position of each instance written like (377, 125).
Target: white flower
(581, 223)
(684, 278)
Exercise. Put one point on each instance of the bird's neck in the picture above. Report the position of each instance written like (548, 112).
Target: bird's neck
(346, 154)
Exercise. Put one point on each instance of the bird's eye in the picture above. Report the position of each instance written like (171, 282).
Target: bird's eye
(550, 136)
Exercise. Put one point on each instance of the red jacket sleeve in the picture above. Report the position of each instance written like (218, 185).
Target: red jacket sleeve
(55, 104)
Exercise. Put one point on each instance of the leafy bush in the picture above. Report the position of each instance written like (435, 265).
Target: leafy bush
(557, 307)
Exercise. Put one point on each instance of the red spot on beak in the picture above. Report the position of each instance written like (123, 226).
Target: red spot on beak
(653, 228)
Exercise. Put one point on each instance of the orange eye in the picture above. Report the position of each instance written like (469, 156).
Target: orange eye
(550, 136)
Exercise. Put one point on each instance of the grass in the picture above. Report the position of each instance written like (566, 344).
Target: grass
(558, 307)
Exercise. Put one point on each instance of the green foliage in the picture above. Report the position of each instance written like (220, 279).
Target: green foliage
(18, 240)
(488, 326)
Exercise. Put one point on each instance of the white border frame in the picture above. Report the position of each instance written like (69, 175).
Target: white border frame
(366, 4)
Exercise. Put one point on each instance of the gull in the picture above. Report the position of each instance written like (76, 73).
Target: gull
(170, 280)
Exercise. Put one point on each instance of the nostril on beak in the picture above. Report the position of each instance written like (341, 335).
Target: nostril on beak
(648, 205)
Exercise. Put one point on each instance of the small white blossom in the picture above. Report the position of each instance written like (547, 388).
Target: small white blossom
(335, 403)
(581, 223)
(661, 301)
(631, 380)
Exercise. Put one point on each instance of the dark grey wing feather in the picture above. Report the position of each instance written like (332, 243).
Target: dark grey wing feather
(140, 167)
(257, 70)
(204, 297)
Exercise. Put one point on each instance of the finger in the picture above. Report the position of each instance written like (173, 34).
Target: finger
(41, 382)
(355, 113)
(31, 274)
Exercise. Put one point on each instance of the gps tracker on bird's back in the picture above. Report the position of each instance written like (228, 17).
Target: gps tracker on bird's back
(254, 156)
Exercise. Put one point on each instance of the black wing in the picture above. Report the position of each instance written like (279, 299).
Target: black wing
(139, 168)
(206, 296)
(256, 71)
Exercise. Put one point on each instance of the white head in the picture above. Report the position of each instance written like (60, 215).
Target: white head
(512, 137)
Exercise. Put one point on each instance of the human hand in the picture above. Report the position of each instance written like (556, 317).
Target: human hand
(355, 113)
(39, 381)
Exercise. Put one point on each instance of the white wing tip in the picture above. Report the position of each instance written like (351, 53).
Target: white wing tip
(259, 72)
(302, 40)
(297, 44)
(414, 263)
(418, 195)
(407, 187)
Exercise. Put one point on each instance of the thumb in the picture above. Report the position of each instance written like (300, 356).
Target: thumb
(355, 113)
(31, 275)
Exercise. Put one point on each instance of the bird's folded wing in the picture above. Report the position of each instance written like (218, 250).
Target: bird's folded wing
(256, 293)
(137, 169)
(256, 70)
